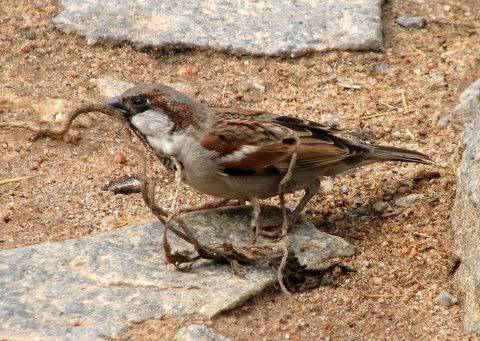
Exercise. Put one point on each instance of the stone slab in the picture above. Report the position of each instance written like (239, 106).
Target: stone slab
(95, 287)
(257, 27)
(468, 107)
(465, 217)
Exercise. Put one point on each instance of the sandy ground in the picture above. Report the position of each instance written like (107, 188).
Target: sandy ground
(406, 253)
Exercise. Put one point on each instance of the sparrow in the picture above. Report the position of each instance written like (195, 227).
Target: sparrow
(235, 153)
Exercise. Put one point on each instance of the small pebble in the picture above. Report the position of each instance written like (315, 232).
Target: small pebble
(380, 206)
(75, 322)
(331, 120)
(358, 201)
(382, 68)
(120, 158)
(187, 71)
(359, 212)
(446, 299)
(409, 199)
(128, 185)
(411, 22)
(254, 84)
(30, 35)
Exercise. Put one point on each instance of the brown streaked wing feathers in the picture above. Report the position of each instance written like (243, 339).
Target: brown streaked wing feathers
(277, 138)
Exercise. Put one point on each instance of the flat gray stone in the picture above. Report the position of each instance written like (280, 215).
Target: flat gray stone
(468, 107)
(95, 287)
(465, 220)
(268, 27)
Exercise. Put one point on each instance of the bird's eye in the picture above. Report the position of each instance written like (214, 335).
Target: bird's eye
(139, 101)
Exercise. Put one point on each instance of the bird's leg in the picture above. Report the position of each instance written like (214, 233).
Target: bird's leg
(255, 223)
(273, 231)
(212, 205)
(310, 191)
(283, 187)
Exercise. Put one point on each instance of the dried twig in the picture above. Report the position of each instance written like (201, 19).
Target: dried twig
(404, 101)
(56, 131)
(17, 179)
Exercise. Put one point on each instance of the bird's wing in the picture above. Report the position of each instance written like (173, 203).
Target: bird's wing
(245, 139)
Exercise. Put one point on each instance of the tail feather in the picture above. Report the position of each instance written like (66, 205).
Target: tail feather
(387, 153)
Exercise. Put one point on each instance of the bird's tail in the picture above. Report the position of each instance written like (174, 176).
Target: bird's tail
(387, 153)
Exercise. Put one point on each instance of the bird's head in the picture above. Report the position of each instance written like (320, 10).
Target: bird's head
(155, 109)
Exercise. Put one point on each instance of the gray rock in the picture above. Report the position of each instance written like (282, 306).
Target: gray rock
(95, 287)
(382, 68)
(198, 332)
(278, 28)
(330, 119)
(357, 201)
(465, 221)
(438, 80)
(128, 185)
(360, 212)
(380, 206)
(109, 87)
(467, 109)
(254, 84)
(446, 299)
(29, 35)
(411, 22)
(409, 199)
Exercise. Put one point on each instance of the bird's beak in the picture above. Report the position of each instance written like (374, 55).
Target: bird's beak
(117, 104)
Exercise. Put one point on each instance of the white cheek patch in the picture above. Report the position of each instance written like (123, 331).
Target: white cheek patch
(152, 122)
(156, 127)
(240, 154)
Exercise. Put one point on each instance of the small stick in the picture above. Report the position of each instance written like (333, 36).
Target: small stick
(255, 223)
(388, 105)
(282, 188)
(280, 270)
(178, 180)
(404, 101)
(420, 52)
(224, 88)
(382, 295)
(374, 116)
(51, 129)
(17, 179)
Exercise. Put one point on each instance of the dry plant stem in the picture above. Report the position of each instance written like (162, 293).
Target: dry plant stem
(280, 270)
(211, 205)
(255, 223)
(55, 130)
(282, 189)
(178, 180)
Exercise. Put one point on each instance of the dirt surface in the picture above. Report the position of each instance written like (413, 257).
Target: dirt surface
(405, 254)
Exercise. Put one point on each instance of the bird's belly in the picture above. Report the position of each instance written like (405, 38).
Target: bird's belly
(236, 187)
(245, 187)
